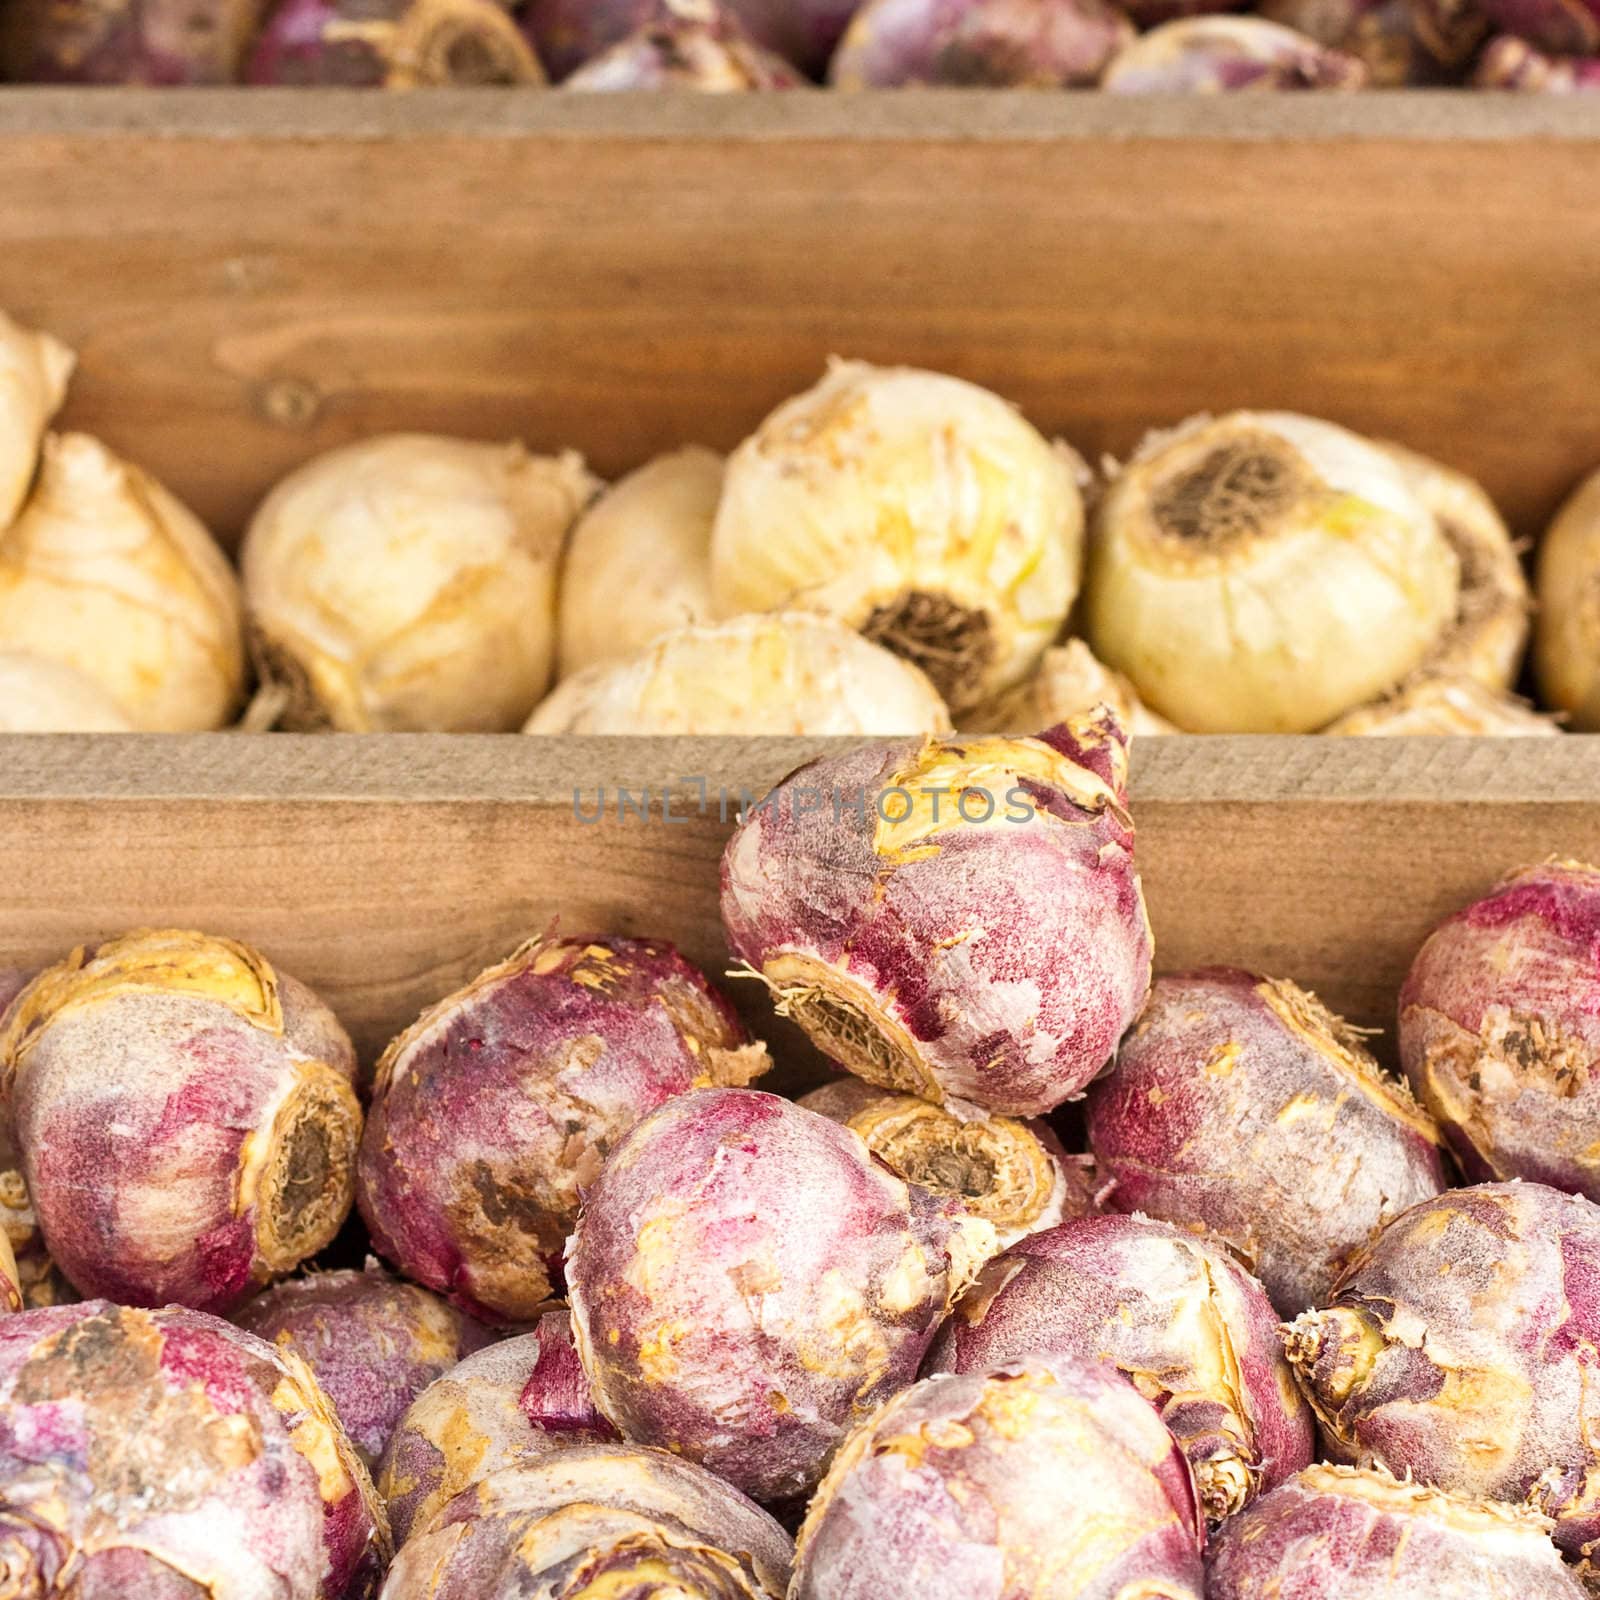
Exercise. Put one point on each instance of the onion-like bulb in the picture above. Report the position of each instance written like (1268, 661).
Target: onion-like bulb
(34, 370)
(1215, 55)
(1070, 683)
(1264, 572)
(407, 584)
(687, 44)
(787, 673)
(105, 572)
(1512, 63)
(1403, 43)
(1567, 638)
(163, 43)
(1453, 704)
(638, 564)
(920, 509)
(39, 696)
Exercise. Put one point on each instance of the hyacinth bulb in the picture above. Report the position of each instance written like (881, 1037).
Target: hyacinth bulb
(34, 371)
(160, 43)
(1498, 1029)
(373, 1342)
(40, 696)
(1339, 1533)
(504, 1404)
(1558, 27)
(687, 44)
(186, 1118)
(1045, 1477)
(1457, 1349)
(1223, 55)
(1243, 1105)
(1567, 639)
(164, 1455)
(1402, 43)
(788, 673)
(961, 920)
(919, 509)
(597, 1522)
(1454, 704)
(1014, 1175)
(1033, 44)
(105, 572)
(393, 44)
(747, 1282)
(1172, 1311)
(407, 584)
(494, 1111)
(1264, 573)
(638, 564)
(1069, 683)
(1511, 63)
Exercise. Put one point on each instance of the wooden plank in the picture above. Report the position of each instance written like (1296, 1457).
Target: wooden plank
(386, 871)
(252, 278)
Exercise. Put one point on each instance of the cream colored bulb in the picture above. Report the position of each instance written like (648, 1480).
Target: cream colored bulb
(34, 370)
(106, 573)
(1263, 573)
(1069, 683)
(408, 584)
(1450, 704)
(919, 509)
(775, 673)
(39, 696)
(1566, 645)
(639, 561)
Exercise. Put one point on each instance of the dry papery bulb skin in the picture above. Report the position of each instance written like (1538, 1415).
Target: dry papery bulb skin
(34, 372)
(1224, 55)
(1511, 63)
(507, 1403)
(161, 43)
(1566, 649)
(105, 572)
(407, 584)
(1025, 44)
(922, 510)
(392, 44)
(374, 1343)
(165, 1455)
(186, 1117)
(1069, 683)
(1014, 1175)
(787, 673)
(748, 1282)
(1499, 1032)
(596, 1522)
(493, 1112)
(1458, 1349)
(1343, 1533)
(1173, 1312)
(1455, 705)
(1264, 572)
(638, 564)
(1558, 27)
(1242, 1104)
(974, 934)
(40, 696)
(1402, 43)
(687, 44)
(1046, 1477)
(1494, 608)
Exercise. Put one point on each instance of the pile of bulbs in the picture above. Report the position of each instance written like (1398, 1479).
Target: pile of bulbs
(891, 552)
(723, 46)
(637, 1320)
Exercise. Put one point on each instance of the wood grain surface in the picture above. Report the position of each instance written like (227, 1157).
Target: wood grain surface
(386, 871)
(254, 277)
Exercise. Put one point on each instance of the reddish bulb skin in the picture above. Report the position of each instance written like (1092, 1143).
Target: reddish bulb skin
(1500, 1030)
(567, 33)
(1511, 63)
(805, 31)
(513, 1400)
(149, 1443)
(373, 1342)
(1221, 1114)
(155, 43)
(1166, 1308)
(1559, 27)
(686, 49)
(1459, 1348)
(1049, 1479)
(1010, 955)
(1403, 43)
(980, 43)
(494, 1110)
(747, 1283)
(1337, 1534)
